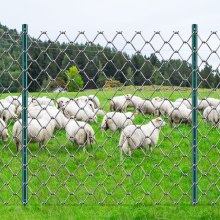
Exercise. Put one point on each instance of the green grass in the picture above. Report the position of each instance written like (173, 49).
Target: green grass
(63, 174)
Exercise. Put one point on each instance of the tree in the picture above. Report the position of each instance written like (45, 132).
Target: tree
(101, 77)
(130, 76)
(74, 79)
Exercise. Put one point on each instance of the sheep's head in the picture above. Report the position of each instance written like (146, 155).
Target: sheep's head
(4, 134)
(158, 122)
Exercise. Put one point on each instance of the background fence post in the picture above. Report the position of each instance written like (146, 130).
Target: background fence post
(24, 115)
(194, 111)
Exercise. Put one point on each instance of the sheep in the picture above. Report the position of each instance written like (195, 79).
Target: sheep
(140, 136)
(61, 102)
(213, 102)
(146, 107)
(3, 131)
(202, 104)
(80, 133)
(180, 114)
(133, 100)
(79, 113)
(119, 103)
(162, 105)
(212, 114)
(48, 112)
(39, 131)
(7, 110)
(43, 101)
(95, 100)
(117, 120)
(186, 102)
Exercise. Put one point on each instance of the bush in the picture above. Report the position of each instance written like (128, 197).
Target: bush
(112, 83)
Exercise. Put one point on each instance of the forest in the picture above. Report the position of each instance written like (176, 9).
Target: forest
(48, 62)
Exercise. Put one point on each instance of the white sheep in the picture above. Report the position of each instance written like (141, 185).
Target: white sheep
(180, 114)
(7, 110)
(140, 136)
(3, 131)
(202, 104)
(133, 100)
(61, 102)
(117, 120)
(119, 103)
(186, 102)
(146, 107)
(80, 133)
(95, 100)
(213, 102)
(43, 101)
(48, 112)
(162, 105)
(72, 109)
(39, 131)
(211, 114)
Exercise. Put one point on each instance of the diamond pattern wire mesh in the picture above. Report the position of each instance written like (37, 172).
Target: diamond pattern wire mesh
(60, 172)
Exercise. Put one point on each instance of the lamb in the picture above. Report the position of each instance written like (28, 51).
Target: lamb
(140, 136)
(117, 120)
(3, 131)
(79, 113)
(80, 133)
(162, 105)
(180, 114)
(39, 131)
(211, 114)
(119, 103)
(146, 107)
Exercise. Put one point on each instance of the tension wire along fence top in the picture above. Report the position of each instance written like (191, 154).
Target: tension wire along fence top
(86, 102)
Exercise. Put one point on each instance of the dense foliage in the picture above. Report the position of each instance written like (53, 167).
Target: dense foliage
(96, 64)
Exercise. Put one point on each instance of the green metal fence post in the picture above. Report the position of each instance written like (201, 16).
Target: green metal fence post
(24, 115)
(194, 111)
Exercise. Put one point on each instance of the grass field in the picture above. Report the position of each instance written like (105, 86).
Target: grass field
(63, 174)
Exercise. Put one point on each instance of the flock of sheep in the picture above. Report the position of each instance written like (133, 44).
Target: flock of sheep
(74, 115)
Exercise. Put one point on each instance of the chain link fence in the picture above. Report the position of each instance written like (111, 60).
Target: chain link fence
(109, 120)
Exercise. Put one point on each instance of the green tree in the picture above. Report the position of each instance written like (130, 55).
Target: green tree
(101, 77)
(130, 76)
(74, 79)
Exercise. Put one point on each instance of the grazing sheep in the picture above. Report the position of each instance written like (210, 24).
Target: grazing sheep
(7, 110)
(136, 136)
(133, 100)
(48, 112)
(162, 105)
(39, 131)
(43, 101)
(117, 120)
(202, 104)
(119, 103)
(79, 113)
(211, 114)
(213, 102)
(80, 133)
(61, 102)
(146, 107)
(95, 100)
(3, 131)
(180, 114)
(186, 102)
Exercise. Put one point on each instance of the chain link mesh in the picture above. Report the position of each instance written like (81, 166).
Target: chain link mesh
(64, 76)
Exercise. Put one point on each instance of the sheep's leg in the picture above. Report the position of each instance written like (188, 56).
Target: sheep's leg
(121, 155)
(84, 149)
(151, 148)
(129, 152)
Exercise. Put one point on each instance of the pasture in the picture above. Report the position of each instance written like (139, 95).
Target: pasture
(62, 173)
